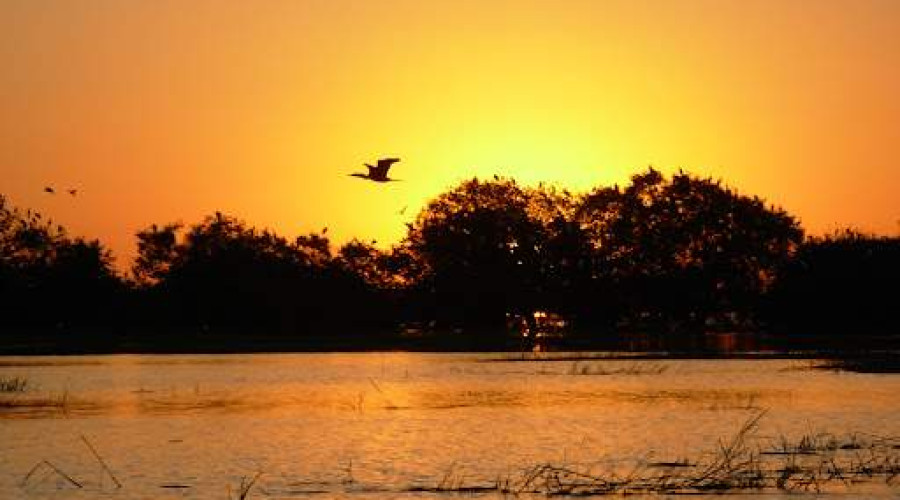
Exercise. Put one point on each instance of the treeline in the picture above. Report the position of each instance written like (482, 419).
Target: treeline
(672, 256)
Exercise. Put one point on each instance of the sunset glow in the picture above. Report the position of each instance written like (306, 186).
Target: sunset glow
(159, 111)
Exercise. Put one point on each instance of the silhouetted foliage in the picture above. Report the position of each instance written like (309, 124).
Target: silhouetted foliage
(483, 247)
(219, 274)
(387, 281)
(49, 281)
(682, 253)
(379, 269)
(223, 276)
(672, 256)
(157, 252)
(843, 284)
(566, 252)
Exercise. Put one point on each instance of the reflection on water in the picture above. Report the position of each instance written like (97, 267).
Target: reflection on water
(381, 424)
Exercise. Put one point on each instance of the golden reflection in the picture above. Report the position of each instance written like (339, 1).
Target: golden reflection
(201, 422)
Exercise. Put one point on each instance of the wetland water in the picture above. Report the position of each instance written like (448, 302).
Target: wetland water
(397, 425)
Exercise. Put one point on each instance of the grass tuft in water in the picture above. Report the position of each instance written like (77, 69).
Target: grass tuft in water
(53, 401)
(45, 465)
(243, 489)
(635, 368)
(13, 384)
(101, 461)
(813, 462)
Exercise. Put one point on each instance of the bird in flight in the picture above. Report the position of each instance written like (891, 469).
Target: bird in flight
(72, 192)
(378, 173)
(49, 189)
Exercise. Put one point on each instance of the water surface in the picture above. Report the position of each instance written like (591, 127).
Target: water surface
(385, 425)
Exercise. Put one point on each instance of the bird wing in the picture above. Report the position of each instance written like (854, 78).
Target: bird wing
(385, 163)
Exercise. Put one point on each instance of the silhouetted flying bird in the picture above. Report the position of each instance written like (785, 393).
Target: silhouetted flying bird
(378, 173)
(49, 189)
(73, 192)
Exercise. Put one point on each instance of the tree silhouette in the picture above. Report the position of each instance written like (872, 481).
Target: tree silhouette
(565, 252)
(841, 285)
(385, 281)
(223, 276)
(686, 251)
(208, 277)
(481, 243)
(49, 281)
(157, 252)
(675, 255)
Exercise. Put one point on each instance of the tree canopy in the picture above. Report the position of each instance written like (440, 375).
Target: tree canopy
(674, 255)
(684, 249)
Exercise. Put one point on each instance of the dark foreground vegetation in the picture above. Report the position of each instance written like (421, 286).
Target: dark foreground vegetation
(817, 463)
(814, 462)
(670, 259)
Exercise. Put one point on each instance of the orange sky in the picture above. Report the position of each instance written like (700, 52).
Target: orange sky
(168, 110)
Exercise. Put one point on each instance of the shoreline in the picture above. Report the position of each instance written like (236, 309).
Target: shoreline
(607, 350)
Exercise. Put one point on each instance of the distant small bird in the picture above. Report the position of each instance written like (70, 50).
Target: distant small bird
(378, 173)
(72, 192)
(403, 210)
(49, 189)
(324, 229)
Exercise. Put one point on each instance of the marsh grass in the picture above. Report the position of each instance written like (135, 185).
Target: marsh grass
(873, 363)
(743, 400)
(244, 488)
(389, 404)
(44, 467)
(815, 462)
(812, 443)
(634, 368)
(60, 401)
(812, 462)
(13, 384)
(100, 460)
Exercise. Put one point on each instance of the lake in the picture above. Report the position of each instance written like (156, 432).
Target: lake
(408, 425)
